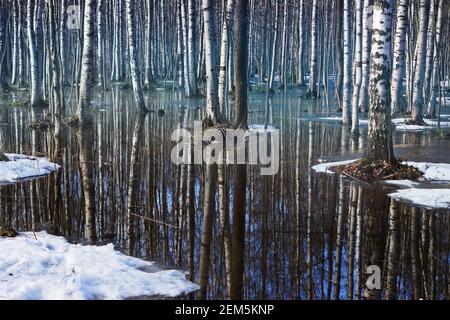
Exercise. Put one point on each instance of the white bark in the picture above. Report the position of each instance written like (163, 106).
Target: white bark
(301, 76)
(398, 67)
(313, 72)
(210, 45)
(87, 63)
(430, 51)
(135, 69)
(191, 49)
(421, 46)
(436, 57)
(357, 67)
(365, 58)
(346, 96)
(224, 51)
(34, 27)
(379, 144)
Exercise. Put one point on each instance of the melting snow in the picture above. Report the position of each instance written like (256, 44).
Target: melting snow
(428, 198)
(51, 268)
(22, 166)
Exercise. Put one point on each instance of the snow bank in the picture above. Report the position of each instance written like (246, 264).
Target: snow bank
(400, 124)
(432, 171)
(428, 198)
(51, 268)
(22, 166)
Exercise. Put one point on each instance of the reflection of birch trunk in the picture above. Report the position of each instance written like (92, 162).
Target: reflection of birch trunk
(87, 178)
(339, 240)
(309, 257)
(224, 220)
(359, 243)
(133, 181)
(394, 251)
(241, 33)
(207, 226)
(351, 240)
(415, 254)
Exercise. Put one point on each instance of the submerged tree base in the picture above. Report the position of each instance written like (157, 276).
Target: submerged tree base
(373, 171)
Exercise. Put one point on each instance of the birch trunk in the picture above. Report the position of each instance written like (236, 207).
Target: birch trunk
(431, 109)
(419, 74)
(87, 63)
(210, 46)
(357, 67)
(398, 101)
(313, 70)
(34, 33)
(347, 85)
(224, 51)
(301, 75)
(379, 144)
(430, 51)
(191, 49)
(135, 68)
(365, 58)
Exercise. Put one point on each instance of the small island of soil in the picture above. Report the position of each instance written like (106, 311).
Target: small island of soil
(373, 171)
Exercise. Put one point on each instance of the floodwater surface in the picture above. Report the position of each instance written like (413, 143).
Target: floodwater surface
(307, 235)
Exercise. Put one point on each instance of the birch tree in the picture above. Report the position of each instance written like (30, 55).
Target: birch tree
(224, 52)
(398, 102)
(313, 69)
(300, 76)
(135, 68)
(417, 107)
(347, 86)
(357, 67)
(35, 45)
(210, 43)
(379, 143)
(365, 56)
(87, 63)
(431, 108)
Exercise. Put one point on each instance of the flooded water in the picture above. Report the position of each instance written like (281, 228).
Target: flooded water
(307, 235)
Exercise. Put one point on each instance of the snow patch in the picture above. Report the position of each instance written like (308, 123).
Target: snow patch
(50, 268)
(432, 171)
(427, 198)
(22, 166)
